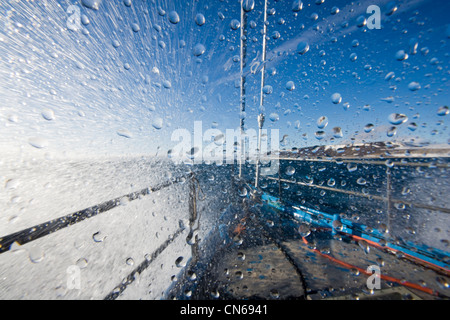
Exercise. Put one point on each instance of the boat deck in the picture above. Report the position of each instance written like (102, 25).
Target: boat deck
(266, 258)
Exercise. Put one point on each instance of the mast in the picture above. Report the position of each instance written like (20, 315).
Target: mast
(243, 55)
(261, 99)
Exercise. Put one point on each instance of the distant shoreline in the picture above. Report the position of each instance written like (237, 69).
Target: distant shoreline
(375, 150)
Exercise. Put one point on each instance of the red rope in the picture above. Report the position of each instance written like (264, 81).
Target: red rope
(384, 277)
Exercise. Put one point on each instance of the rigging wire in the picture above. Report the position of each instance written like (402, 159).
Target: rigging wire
(243, 54)
(261, 98)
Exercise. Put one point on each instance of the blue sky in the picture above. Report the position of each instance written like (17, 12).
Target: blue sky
(362, 82)
(130, 67)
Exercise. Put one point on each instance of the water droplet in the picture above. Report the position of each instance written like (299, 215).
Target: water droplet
(238, 240)
(302, 47)
(82, 263)
(167, 84)
(200, 19)
(365, 246)
(130, 261)
(180, 262)
(124, 133)
(337, 132)
(297, 5)
(389, 163)
(368, 127)
(443, 111)
(235, 24)
(414, 86)
(354, 272)
(191, 275)
(391, 7)
(13, 118)
(405, 191)
(157, 123)
(91, 4)
(351, 167)
(267, 89)
(198, 50)
(38, 142)
(331, 182)
(174, 17)
(85, 20)
(219, 139)
(290, 85)
(16, 247)
(397, 118)
(353, 57)
(304, 230)
(135, 27)
(276, 35)
(361, 181)
(425, 51)
(322, 122)
(290, 170)
(361, 21)
(401, 55)
(334, 10)
(192, 153)
(412, 126)
(116, 43)
(215, 294)
(161, 11)
(389, 99)
(274, 294)
(36, 254)
(443, 282)
(319, 135)
(127, 3)
(392, 131)
(242, 191)
(336, 98)
(389, 76)
(11, 184)
(434, 61)
(248, 5)
(98, 236)
(274, 117)
(241, 256)
(337, 225)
